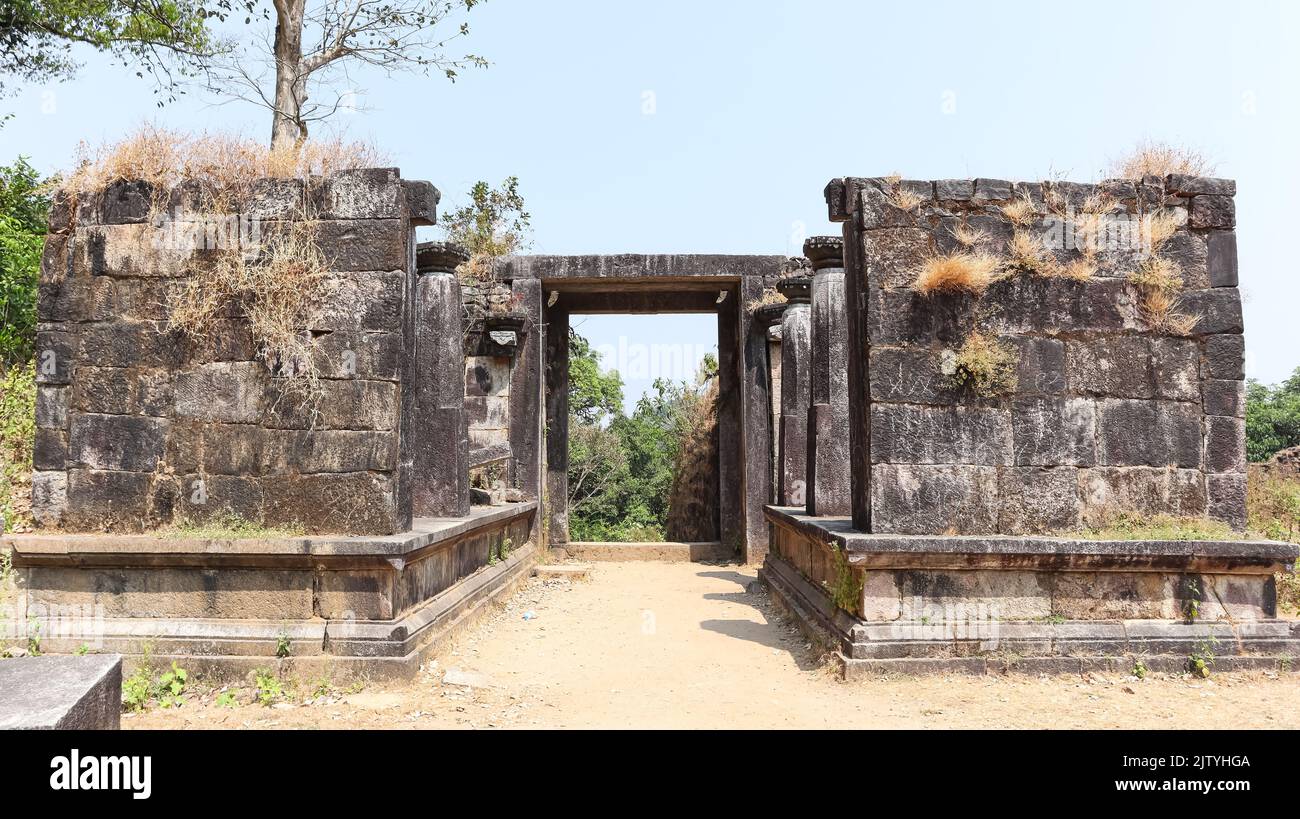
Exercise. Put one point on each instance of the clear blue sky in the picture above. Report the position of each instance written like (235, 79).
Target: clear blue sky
(758, 104)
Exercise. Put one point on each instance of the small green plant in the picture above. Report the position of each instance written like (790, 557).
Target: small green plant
(982, 366)
(171, 686)
(269, 690)
(33, 637)
(1200, 663)
(847, 589)
(1156, 527)
(283, 645)
(82, 650)
(1192, 591)
(137, 689)
(1139, 669)
(227, 699)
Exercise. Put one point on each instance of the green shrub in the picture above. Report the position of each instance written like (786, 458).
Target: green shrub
(23, 214)
(17, 435)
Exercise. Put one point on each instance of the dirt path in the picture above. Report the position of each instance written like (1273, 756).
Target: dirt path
(660, 645)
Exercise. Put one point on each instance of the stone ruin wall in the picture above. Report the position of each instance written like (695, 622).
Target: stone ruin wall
(140, 427)
(1107, 416)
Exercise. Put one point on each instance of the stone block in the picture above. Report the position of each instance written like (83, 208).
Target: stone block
(206, 497)
(909, 434)
(360, 301)
(330, 450)
(1111, 367)
(130, 251)
(117, 442)
(50, 449)
(1212, 211)
(363, 244)
(275, 199)
(421, 203)
(1225, 357)
(891, 256)
(1226, 498)
(52, 407)
(129, 344)
(1054, 431)
(49, 497)
(1148, 433)
(365, 354)
(1222, 258)
(1034, 500)
(342, 404)
(486, 375)
(880, 597)
(68, 693)
(122, 391)
(114, 501)
(355, 503)
(1218, 310)
(1040, 368)
(1189, 250)
(909, 374)
(954, 189)
(218, 448)
(1107, 491)
(904, 317)
(1187, 185)
(1221, 397)
(1225, 444)
(912, 499)
(56, 350)
(973, 598)
(1111, 595)
(125, 202)
(233, 392)
(356, 595)
(365, 193)
(1176, 368)
(111, 299)
(1177, 435)
(991, 190)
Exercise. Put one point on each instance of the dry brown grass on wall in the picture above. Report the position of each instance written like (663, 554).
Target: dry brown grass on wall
(693, 497)
(769, 296)
(226, 164)
(1159, 159)
(1159, 282)
(277, 292)
(961, 272)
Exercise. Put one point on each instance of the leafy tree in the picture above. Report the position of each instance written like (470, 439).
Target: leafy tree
(593, 395)
(492, 225)
(308, 55)
(1272, 417)
(170, 40)
(23, 214)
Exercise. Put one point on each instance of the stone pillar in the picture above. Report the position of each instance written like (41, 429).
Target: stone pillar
(440, 435)
(730, 519)
(796, 391)
(557, 426)
(526, 398)
(829, 476)
(756, 424)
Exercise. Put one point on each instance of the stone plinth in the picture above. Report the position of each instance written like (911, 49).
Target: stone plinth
(915, 603)
(829, 477)
(61, 693)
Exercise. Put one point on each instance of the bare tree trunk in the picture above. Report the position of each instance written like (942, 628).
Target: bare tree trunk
(287, 127)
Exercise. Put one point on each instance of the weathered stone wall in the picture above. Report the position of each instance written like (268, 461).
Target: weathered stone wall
(1107, 415)
(140, 426)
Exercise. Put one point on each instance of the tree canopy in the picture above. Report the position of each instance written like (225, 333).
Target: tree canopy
(1272, 417)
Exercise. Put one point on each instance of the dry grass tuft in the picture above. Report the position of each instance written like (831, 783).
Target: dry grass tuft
(905, 198)
(970, 237)
(983, 365)
(769, 296)
(225, 165)
(961, 272)
(1028, 252)
(274, 287)
(1021, 210)
(693, 495)
(1080, 270)
(1159, 282)
(1160, 227)
(1160, 159)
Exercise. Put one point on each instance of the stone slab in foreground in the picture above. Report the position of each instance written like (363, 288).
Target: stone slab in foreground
(61, 693)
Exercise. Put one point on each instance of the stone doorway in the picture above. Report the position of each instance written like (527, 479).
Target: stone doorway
(721, 285)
